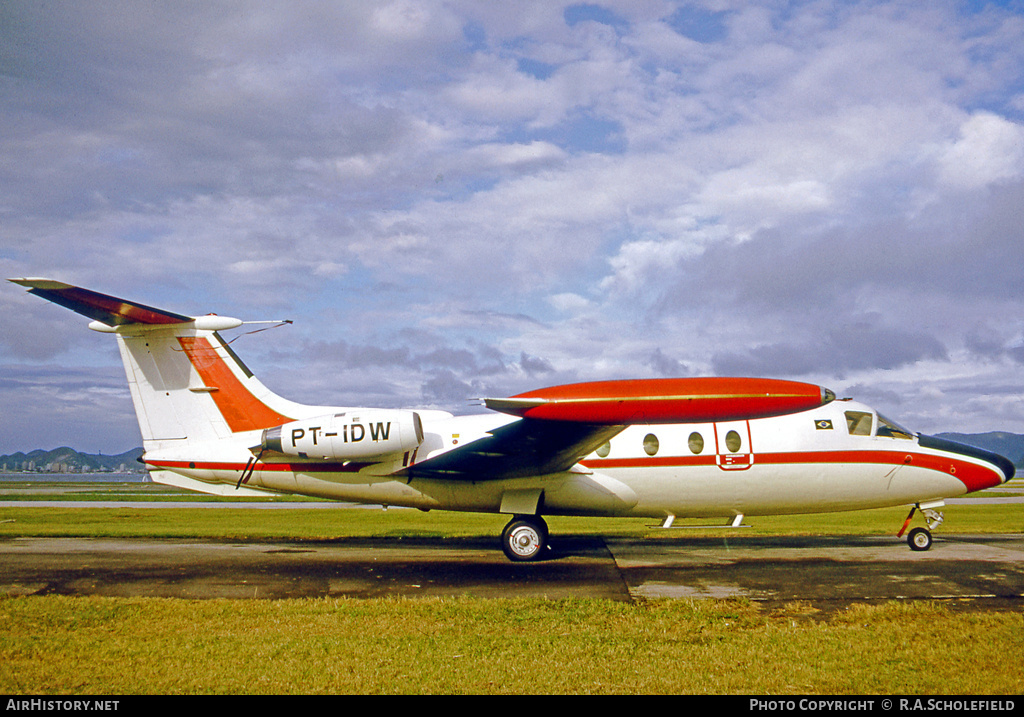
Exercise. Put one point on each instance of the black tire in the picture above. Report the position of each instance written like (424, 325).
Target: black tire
(919, 539)
(524, 539)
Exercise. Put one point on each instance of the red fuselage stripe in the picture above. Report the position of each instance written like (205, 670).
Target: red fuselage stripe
(351, 467)
(974, 477)
(971, 475)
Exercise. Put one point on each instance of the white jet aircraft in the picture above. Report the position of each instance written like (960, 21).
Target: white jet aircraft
(664, 448)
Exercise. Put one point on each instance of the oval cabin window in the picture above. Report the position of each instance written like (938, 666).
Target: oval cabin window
(651, 444)
(733, 441)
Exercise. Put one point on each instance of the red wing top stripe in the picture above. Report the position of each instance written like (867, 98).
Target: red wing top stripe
(665, 400)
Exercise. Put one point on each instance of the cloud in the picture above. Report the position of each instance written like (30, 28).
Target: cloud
(463, 196)
(989, 150)
(836, 351)
(51, 407)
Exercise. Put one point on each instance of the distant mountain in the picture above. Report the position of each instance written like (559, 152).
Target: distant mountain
(68, 460)
(1008, 445)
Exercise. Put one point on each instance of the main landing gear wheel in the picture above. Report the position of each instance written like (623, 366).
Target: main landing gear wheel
(919, 539)
(525, 538)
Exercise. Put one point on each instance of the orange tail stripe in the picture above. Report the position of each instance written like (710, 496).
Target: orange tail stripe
(242, 410)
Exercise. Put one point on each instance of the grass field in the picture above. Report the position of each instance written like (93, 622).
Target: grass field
(89, 645)
(132, 646)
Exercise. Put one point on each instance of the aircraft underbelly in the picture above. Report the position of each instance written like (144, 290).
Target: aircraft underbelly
(761, 488)
(706, 491)
(692, 491)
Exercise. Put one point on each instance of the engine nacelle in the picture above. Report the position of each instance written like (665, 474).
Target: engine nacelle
(347, 436)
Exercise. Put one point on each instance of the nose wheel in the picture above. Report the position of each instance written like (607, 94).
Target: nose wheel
(525, 538)
(920, 539)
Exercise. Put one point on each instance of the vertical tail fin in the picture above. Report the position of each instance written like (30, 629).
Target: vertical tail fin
(186, 383)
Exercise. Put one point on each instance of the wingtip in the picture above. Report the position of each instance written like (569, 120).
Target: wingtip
(33, 282)
(513, 406)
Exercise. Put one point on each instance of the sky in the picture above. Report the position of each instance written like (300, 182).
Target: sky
(454, 199)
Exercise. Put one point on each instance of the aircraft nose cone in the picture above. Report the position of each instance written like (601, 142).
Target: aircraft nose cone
(998, 462)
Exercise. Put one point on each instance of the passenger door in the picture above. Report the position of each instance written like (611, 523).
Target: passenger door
(732, 445)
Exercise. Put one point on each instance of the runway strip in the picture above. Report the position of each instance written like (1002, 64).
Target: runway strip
(834, 570)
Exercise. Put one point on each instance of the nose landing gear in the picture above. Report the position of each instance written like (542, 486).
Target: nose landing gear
(921, 538)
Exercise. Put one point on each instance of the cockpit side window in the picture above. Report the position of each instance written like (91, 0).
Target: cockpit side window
(858, 423)
(891, 429)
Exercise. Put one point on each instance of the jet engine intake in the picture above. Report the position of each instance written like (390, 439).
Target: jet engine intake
(347, 436)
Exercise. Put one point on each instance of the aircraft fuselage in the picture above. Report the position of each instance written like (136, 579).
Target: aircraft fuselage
(819, 460)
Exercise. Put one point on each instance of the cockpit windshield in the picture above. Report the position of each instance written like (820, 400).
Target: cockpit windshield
(892, 429)
(859, 424)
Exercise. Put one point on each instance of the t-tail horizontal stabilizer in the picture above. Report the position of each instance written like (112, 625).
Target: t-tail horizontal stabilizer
(108, 309)
(109, 312)
(187, 385)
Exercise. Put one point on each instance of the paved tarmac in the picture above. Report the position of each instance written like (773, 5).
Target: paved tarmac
(981, 571)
